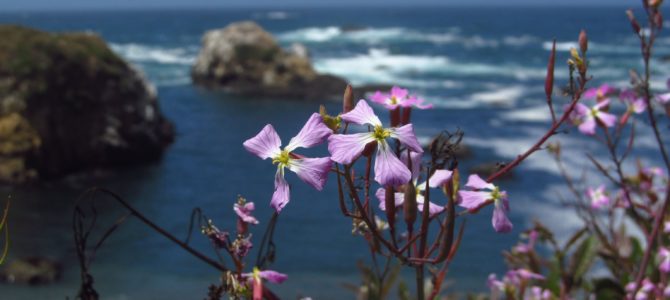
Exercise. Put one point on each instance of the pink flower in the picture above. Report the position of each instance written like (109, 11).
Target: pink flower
(644, 291)
(389, 170)
(600, 92)
(666, 227)
(525, 248)
(483, 192)
(634, 103)
(664, 257)
(439, 178)
(586, 118)
(314, 171)
(664, 98)
(244, 212)
(539, 294)
(398, 97)
(598, 197)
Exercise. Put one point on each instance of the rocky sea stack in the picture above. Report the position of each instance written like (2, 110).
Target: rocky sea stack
(68, 103)
(243, 58)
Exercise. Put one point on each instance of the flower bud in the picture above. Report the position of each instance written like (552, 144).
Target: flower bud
(394, 116)
(410, 206)
(633, 21)
(655, 3)
(549, 80)
(583, 41)
(348, 100)
(406, 115)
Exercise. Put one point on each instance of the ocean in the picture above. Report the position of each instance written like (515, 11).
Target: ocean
(482, 68)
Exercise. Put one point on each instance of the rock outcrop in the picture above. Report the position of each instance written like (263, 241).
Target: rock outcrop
(68, 103)
(243, 58)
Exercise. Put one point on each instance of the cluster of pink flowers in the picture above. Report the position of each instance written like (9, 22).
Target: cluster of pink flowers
(389, 168)
(518, 281)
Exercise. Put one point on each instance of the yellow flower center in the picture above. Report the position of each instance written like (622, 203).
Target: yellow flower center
(282, 158)
(394, 100)
(380, 133)
(496, 194)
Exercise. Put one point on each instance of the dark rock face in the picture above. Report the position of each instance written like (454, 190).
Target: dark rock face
(68, 103)
(243, 58)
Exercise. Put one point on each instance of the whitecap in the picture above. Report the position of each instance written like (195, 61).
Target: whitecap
(140, 53)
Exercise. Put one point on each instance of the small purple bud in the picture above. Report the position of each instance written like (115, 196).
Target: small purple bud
(633, 21)
(549, 80)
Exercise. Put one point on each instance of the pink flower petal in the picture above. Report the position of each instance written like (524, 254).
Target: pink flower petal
(608, 119)
(588, 127)
(389, 170)
(399, 93)
(273, 276)
(265, 144)
(439, 178)
(663, 98)
(405, 135)
(476, 182)
(313, 171)
(244, 212)
(433, 209)
(602, 104)
(280, 197)
(362, 114)
(590, 93)
(473, 199)
(500, 221)
(639, 105)
(314, 132)
(415, 159)
(381, 195)
(344, 148)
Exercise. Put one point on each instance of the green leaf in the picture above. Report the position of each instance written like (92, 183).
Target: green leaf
(606, 288)
(583, 258)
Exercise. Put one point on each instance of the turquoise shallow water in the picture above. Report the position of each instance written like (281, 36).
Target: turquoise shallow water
(481, 68)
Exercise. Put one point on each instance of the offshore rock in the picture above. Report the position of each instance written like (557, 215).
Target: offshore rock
(245, 59)
(68, 104)
(31, 271)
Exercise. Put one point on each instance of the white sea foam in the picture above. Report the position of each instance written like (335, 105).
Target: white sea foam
(594, 47)
(507, 96)
(154, 54)
(272, 15)
(378, 65)
(381, 66)
(374, 36)
(532, 114)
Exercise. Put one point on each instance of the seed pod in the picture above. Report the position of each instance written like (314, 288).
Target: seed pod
(348, 100)
(409, 205)
(633, 22)
(389, 202)
(658, 20)
(549, 80)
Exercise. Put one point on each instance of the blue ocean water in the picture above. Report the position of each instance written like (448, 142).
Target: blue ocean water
(482, 68)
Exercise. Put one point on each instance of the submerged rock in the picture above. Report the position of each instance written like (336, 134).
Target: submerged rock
(243, 58)
(68, 103)
(32, 271)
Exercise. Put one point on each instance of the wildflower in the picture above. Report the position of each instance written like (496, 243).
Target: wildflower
(482, 193)
(587, 118)
(539, 294)
(266, 144)
(242, 245)
(217, 237)
(244, 210)
(389, 170)
(666, 227)
(643, 293)
(598, 197)
(398, 97)
(599, 93)
(439, 178)
(633, 103)
(269, 275)
(664, 257)
(525, 248)
(664, 98)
